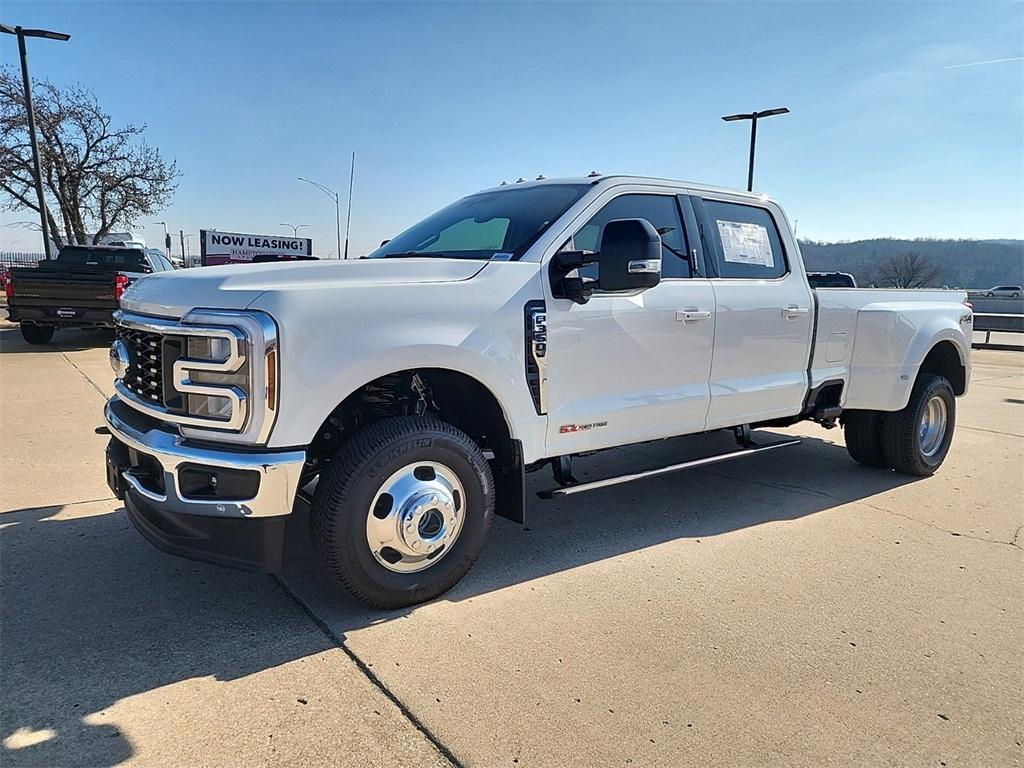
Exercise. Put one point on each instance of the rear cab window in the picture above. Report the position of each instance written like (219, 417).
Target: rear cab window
(126, 259)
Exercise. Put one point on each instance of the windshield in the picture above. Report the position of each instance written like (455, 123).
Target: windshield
(502, 224)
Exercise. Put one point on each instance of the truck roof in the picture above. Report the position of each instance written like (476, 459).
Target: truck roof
(617, 179)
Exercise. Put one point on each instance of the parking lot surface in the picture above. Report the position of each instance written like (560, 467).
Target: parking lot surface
(791, 609)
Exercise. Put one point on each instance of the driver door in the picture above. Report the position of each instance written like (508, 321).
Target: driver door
(625, 368)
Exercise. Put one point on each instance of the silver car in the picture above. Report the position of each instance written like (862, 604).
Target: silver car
(1012, 291)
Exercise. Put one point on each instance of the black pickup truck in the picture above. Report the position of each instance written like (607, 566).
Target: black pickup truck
(81, 288)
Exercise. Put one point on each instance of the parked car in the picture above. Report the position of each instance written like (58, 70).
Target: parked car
(405, 395)
(80, 288)
(1013, 291)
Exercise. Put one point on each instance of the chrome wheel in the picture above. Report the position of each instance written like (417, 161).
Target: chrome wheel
(932, 429)
(415, 517)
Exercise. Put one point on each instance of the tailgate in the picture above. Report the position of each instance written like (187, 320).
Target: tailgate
(82, 289)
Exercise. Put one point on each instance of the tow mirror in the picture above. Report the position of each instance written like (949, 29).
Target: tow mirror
(629, 256)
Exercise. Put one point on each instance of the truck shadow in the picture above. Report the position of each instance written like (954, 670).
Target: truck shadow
(92, 615)
(775, 487)
(69, 340)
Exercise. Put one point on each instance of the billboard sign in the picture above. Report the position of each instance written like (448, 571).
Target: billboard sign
(237, 248)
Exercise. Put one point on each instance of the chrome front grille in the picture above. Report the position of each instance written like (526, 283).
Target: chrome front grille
(144, 376)
(162, 381)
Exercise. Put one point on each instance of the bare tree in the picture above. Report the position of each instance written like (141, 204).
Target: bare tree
(907, 270)
(101, 177)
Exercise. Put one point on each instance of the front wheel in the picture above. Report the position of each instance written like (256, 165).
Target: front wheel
(37, 334)
(402, 511)
(917, 438)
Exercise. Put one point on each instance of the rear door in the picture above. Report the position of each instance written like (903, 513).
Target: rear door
(627, 368)
(765, 312)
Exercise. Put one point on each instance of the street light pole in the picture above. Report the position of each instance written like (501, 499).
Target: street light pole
(348, 220)
(337, 204)
(753, 118)
(22, 33)
(167, 237)
(295, 228)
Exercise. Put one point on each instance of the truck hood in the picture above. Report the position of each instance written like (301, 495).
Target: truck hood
(236, 286)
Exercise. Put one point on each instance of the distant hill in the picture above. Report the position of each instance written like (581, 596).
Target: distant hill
(961, 263)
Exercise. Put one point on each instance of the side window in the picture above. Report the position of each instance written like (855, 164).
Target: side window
(745, 241)
(661, 210)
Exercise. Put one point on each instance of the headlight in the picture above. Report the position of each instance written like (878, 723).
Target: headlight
(228, 375)
(212, 406)
(214, 373)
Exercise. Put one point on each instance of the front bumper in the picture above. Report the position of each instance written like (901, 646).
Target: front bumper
(240, 525)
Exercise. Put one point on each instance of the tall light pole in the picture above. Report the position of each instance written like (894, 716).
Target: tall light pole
(753, 118)
(167, 237)
(295, 228)
(348, 220)
(337, 204)
(22, 33)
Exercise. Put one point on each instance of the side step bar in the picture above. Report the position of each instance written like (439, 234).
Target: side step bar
(568, 490)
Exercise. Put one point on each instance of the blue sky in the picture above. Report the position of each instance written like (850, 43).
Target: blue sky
(895, 130)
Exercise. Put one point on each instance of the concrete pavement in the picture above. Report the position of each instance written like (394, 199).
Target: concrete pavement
(793, 609)
(112, 653)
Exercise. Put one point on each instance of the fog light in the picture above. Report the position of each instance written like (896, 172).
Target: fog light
(197, 482)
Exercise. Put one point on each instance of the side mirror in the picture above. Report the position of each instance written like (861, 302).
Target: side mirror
(629, 256)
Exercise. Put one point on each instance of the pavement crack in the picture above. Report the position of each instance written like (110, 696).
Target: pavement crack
(379, 684)
(84, 376)
(1012, 543)
(990, 431)
(777, 486)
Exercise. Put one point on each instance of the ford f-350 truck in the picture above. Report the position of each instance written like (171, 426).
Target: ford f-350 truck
(404, 396)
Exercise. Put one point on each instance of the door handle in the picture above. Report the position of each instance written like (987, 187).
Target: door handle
(690, 314)
(792, 312)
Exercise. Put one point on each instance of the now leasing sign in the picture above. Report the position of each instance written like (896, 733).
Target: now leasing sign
(237, 248)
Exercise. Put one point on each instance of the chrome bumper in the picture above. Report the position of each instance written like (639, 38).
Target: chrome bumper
(279, 471)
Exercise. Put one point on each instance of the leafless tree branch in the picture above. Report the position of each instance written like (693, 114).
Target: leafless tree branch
(101, 177)
(908, 270)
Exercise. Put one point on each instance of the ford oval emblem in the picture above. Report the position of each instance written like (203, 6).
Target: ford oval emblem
(119, 359)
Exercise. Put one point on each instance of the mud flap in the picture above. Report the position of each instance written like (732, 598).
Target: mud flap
(510, 486)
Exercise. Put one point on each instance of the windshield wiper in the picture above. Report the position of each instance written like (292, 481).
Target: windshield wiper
(413, 254)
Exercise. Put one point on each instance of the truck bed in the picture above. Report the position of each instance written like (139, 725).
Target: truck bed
(894, 330)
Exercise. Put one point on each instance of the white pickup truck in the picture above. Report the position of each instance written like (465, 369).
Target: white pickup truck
(404, 395)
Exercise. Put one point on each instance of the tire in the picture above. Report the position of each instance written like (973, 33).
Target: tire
(351, 499)
(37, 334)
(908, 447)
(863, 432)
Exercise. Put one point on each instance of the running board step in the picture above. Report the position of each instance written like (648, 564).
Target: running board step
(568, 490)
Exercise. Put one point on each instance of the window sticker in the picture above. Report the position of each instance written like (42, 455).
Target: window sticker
(744, 243)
